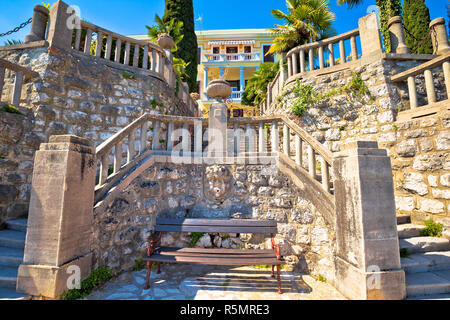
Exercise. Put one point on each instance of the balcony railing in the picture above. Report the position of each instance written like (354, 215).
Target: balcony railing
(232, 57)
(235, 96)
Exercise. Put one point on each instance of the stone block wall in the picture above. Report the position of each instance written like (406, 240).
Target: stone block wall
(340, 119)
(122, 229)
(72, 95)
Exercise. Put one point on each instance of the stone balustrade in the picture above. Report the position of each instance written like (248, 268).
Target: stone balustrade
(21, 74)
(426, 69)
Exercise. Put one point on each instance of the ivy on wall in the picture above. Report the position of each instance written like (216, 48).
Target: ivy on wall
(388, 9)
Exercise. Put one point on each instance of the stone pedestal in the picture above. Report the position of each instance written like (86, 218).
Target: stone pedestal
(217, 130)
(367, 253)
(60, 216)
(439, 36)
(370, 36)
(396, 35)
(38, 25)
(62, 22)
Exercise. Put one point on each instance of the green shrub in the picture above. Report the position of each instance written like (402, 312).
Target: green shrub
(432, 229)
(10, 109)
(97, 278)
(195, 236)
(404, 253)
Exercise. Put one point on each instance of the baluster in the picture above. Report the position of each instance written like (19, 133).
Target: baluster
(185, 143)
(127, 53)
(118, 50)
(354, 49)
(325, 174)
(145, 59)
(156, 130)
(17, 91)
(108, 47)
(429, 86)
(311, 161)
(236, 140)
(153, 67)
(275, 137)
(143, 139)
(311, 59)
(321, 62)
(331, 54)
(298, 150)
(446, 68)
(248, 139)
(261, 139)
(198, 138)
(131, 147)
(286, 140)
(289, 60)
(342, 51)
(169, 136)
(104, 167)
(77, 39)
(136, 55)
(160, 64)
(412, 92)
(98, 48)
(302, 60)
(2, 80)
(294, 63)
(87, 45)
(118, 157)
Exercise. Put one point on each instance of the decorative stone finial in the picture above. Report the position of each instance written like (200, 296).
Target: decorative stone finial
(397, 37)
(165, 41)
(219, 89)
(38, 25)
(439, 36)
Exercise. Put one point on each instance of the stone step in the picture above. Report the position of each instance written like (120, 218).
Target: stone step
(427, 283)
(8, 277)
(403, 218)
(12, 239)
(11, 257)
(424, 244)
(426, 262)
(443, 296)
(11, 294)
(17, 225)
(409, 230)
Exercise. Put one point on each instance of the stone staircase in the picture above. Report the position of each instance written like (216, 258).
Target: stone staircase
(427, 266)
(12, 245)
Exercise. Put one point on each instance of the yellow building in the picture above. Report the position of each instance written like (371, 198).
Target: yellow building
(233, 54)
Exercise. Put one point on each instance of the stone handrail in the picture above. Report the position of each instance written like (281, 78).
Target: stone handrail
(425, 69)
(21, 74)
(301, 139)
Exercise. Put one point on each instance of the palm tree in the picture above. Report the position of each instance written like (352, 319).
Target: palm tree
(306, 20)
(172, 27)
(350, 3)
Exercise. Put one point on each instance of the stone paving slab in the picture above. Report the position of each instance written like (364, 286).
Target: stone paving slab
(199, 282)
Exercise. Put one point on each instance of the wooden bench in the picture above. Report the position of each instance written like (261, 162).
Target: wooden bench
(231, 257)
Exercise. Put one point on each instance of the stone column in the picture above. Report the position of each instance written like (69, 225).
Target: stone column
(38, 25)
(242, 80)
(369, 33)
(439, 36)
(60, 33)
(396, 35)
(60, 217)
(367, 249)
(221, 69)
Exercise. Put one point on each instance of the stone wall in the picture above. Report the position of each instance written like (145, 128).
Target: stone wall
(423, 144)
(121, 231)
(72, 95)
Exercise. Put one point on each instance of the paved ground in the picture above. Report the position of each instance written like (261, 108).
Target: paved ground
(192, 282)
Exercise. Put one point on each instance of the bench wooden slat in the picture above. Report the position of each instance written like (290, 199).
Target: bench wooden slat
(210, 229)
(218, 260)
(217, 251)
(214, 253)
(217, 222)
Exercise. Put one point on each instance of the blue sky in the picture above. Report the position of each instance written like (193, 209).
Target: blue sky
(130, 16)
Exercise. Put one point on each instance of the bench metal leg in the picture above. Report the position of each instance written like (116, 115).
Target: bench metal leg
(272, 274)
(279, 279)
(159, 268)
(147, 279)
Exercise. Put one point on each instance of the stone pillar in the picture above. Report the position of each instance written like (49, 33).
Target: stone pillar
(396, 35)
(38, 25)
(217, 130)
(60, 33)
(60, 218)
(369, 34)
(367, 249)
(242, 80)
(439, 36)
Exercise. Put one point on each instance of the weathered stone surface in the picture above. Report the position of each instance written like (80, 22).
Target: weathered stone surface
(414, 182)
(404, 203)
(406, 148)
(443, 141)
(432, 206)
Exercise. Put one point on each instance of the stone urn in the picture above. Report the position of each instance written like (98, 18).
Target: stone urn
(195, 96)
(165, 41)
(219, 89)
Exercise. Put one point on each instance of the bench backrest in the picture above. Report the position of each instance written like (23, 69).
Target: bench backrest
(216, 225)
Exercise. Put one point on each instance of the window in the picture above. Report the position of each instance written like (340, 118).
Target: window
(247, 49)
(232, 49)
(216, 50)
(269, 57)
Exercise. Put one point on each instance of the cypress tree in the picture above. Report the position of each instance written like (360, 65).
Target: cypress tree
(416, 19)
(183, 10)
(388, 9)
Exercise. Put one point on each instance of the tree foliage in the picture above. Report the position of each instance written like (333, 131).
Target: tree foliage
(256, 88)
(416, 19)
(183, 10)
(306, 20)
(388, 9)
(170, 27)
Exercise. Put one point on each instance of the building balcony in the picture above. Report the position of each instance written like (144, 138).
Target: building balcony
(232, 57)
(234, 98)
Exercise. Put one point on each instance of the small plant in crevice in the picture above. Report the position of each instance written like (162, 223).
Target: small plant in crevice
(10, 109)
(195, 236)
(395, 127)
(95, 279)
(127, 75)
(321, 278)
(432, 229)
(404, 253)
(341, 128)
